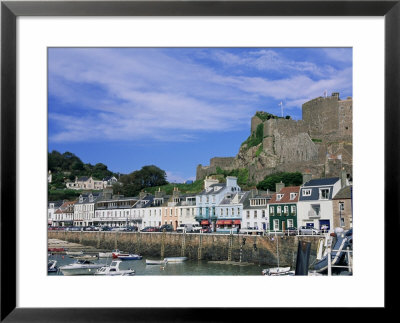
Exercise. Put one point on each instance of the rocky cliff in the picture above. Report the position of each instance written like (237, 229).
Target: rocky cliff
(320, 143)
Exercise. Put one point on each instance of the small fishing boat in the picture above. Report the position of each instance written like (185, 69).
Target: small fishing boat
(55, 249)
(175, 259)
(105, 254)
(81, 267)
(278, 271)
(52, 266)
(156, 262)
(74, 253)
(114, 270)
(115, 253)
(85, 257)
(130, 257)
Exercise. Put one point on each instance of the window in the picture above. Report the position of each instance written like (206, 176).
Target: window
(271, 210)
(278, 210)
(293, 209)
(285, 210)
(290, 223)
(248, 214)
(263, 213)
(306, 192)
(279, 197)
(324, 193)
(341, 206)
(293, 196)
(255, 215)
(276, 225)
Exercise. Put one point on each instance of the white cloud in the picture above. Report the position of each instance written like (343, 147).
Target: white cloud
(148, 93)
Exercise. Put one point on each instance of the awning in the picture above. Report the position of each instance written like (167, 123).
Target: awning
(228, 222)
(236, 221)
(204, 222)
(220, 222)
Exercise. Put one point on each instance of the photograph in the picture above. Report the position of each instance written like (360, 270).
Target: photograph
(200, 161)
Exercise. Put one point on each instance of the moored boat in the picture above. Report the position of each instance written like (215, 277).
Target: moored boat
(52, 266)
(278, 271)
(130, 257)
(105, 254)
(81, 267)
(114, 270)
(156, 262)
(175, 259)
(85, 257)
(55, 249)
(115, 253)
(74, 253)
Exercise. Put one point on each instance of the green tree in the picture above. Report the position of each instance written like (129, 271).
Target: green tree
(290, 179)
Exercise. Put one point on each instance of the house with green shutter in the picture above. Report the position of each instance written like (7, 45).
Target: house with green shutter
(282, 209)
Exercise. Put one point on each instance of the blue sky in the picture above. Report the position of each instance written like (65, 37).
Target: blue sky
(178, 107)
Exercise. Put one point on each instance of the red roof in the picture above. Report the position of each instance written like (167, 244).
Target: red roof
(285, 199)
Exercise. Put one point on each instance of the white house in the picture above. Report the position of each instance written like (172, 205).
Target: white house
(216, 198)
(315, 208)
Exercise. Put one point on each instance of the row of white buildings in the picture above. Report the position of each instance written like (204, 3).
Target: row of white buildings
(320, 203)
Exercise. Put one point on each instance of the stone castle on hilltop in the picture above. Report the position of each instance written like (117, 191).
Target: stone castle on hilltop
(320, 144)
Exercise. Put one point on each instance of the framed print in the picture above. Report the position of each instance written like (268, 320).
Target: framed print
(72, 71)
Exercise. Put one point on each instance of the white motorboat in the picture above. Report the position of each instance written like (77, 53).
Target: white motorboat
(114, 270)
(175, 259)
(278, 271)
(85, 257)
(81, 267)
(156, 262)
(105, 254)
(74, 253)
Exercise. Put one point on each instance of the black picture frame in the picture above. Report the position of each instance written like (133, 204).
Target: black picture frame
(10, 10)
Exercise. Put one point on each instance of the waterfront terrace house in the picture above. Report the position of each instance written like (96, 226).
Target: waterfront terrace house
(84, 208)
(342, 208)
(147, 209)
(180, 209)
(64, 215)
(52, 208)
(114, 210)
(282, 208)
(315, 207)
(229, 212)
(255, 208)
(85, 183)
(210, 198)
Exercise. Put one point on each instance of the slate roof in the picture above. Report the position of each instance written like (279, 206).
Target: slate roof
(344, 193)
(286, 195)
(204, 192)
(321, 182)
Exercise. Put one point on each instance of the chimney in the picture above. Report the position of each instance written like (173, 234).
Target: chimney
(231, 181)
(335, 94)
(208, 182)
(306, 177)
(279, 186)
(343, 178)
(159, 193)
(175, 192)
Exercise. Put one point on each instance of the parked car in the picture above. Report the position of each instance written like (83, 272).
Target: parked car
(308, 231)
(167, 228)
(149, 229)
(130, 229)
(291, 231)
(196, 228)
(205, 230)
(105, 228)
(73, 228)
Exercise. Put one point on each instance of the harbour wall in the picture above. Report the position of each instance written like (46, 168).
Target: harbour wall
(215, 247)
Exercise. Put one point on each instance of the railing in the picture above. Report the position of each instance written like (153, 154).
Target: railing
(349, 255)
